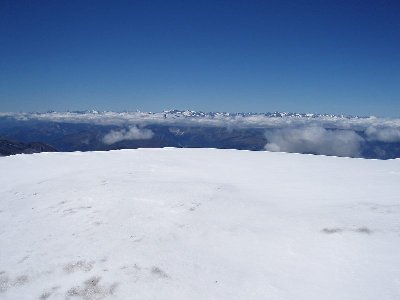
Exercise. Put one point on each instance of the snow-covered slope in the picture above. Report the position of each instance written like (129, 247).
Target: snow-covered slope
(198, 224)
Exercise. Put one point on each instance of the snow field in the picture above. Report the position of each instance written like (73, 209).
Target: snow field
(198, 224)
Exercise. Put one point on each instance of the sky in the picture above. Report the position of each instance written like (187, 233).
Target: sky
(339, 57)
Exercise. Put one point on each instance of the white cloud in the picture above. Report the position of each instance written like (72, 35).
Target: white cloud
(314, 139)
(221, 120)
(319, 134)
(383, 134)
(134, 133)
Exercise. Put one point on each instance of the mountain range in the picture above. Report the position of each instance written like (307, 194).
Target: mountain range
(353, 136)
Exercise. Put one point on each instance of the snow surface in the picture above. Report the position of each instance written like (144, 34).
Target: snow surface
(198, 224)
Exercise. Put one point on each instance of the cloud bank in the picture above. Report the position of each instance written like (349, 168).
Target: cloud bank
(383, 134)
(314, 140)
(190, 118)
(287, 132)
(133, 133)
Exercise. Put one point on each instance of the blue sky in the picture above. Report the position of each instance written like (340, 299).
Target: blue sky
(305, 56)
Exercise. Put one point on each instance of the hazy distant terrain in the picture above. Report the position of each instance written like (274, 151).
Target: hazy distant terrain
(347, 136)
(198, 224)
(9, 147)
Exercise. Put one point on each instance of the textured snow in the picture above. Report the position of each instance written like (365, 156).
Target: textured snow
(198, 224)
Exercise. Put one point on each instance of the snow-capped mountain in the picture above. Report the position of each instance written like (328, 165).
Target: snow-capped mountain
(94, 115)
(338, 135)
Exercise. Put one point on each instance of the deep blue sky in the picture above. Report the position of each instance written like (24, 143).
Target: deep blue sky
(305, 56)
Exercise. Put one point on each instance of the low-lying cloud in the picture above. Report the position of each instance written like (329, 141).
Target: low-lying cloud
(383, 134)
(369, 137)
(314, 140)
(212, 119)
(133, 133)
